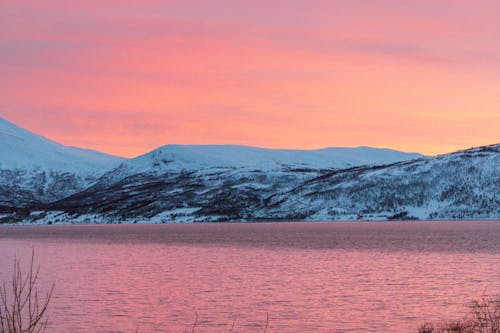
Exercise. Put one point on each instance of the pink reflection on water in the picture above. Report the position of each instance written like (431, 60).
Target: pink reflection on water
(104, 285)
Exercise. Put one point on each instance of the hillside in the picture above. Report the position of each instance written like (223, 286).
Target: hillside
(461, 185)
(34, 169)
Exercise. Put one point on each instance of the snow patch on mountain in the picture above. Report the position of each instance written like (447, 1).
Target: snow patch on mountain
(176, 158)
(21, 149)
(179, 157)
(35, 169)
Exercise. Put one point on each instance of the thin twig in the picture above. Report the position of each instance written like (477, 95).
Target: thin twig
(195, 323)
(21, 310)
(232, 327)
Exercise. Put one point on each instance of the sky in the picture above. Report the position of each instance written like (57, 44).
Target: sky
(127, 76)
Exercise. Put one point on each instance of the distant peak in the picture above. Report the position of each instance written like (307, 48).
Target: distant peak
(22, 149)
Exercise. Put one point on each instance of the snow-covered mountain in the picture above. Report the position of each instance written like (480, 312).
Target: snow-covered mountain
(46, 182)
(178, 157)
(176, 177)
(462, 185)
(35, 169)
(210, 158)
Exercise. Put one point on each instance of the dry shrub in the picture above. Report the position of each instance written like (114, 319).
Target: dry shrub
(22, 310)
(484, 317)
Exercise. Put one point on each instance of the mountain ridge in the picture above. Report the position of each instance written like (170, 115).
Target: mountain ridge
(21, 148)
(460, 185)
(36, 169)
(207, 183)
(174, 158)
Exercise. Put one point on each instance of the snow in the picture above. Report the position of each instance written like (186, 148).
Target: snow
(175, 158)
(21, 149)
(194, 183)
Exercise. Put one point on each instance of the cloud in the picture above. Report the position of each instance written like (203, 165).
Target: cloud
(131, 75)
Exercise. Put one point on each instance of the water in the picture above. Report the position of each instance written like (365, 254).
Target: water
(309, 277)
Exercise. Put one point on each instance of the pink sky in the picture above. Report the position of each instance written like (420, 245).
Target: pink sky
(127, 76)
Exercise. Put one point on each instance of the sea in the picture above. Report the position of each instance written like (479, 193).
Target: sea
(257, 277)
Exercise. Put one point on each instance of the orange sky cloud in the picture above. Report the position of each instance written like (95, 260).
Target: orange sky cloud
(128, 76)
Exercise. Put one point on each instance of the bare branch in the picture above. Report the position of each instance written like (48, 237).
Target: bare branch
(21, 310)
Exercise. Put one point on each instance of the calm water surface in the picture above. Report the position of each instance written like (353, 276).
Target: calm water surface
(309, 277)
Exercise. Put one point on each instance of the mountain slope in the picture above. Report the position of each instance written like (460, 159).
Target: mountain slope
(34, 169)
(177, 157)
(207, 158)
(21, 149)
(219, 182)
(462, 185)
(54, 183)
